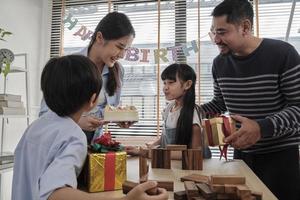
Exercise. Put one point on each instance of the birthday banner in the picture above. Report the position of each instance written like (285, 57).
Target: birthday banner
(142, 55)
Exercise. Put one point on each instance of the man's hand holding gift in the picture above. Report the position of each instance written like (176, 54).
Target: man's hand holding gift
(246, 136)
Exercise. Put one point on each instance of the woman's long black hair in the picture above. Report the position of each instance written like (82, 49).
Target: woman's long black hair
(184, 126)
(113, 26)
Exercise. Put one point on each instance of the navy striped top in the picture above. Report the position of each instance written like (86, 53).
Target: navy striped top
(264, 86)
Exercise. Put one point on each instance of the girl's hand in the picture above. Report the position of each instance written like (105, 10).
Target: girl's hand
(139, 192)
(90, 123)
(149, 145)
(131, 150)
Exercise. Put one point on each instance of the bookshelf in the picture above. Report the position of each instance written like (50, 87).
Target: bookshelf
(6, 158)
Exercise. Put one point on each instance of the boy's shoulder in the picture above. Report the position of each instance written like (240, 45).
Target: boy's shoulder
(50, 125)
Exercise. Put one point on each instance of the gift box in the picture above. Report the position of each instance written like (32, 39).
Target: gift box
(217, 128)
(105, 167)
(106, 171)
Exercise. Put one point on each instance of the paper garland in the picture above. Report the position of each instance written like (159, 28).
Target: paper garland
(134, 54)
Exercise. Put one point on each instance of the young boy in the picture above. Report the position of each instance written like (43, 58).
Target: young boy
(51, 153)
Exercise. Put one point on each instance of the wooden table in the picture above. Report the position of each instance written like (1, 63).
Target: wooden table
(210, 167)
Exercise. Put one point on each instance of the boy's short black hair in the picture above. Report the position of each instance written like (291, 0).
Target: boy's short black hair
(235, 10)
(69, 82)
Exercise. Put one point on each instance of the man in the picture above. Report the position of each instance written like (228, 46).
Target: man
(258, 82)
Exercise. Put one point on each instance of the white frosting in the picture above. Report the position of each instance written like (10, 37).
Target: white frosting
(121, 114)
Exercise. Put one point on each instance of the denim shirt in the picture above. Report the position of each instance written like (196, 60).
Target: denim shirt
(104, 98)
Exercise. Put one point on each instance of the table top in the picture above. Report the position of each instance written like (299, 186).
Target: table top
(210, 167)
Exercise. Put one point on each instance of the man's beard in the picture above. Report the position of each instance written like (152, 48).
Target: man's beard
(227, 53)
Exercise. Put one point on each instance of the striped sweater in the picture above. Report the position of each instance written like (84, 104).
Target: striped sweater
(264, 86)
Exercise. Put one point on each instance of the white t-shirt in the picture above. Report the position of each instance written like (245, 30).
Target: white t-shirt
(172, 117)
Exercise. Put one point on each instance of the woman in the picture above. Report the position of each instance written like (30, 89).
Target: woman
(112, 36)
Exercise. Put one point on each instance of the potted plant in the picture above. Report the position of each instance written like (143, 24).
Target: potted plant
(6, 55)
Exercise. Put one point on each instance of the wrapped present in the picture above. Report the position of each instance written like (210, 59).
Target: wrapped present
(105, 167)
(106, 171)
(217, 128)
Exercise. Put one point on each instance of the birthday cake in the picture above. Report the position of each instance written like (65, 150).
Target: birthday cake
(121, 114)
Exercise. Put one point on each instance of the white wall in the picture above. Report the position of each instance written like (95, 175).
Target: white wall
(29, 21)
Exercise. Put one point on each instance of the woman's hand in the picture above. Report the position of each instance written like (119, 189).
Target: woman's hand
(90, 123)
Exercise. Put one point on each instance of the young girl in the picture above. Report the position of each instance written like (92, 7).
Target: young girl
(182, 122)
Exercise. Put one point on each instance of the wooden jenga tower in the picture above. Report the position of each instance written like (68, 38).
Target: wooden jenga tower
(161, 158)
(192, 159)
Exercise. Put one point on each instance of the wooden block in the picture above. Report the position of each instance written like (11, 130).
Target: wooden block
(197, 159)
(161, 158)
(153, 158)
(198, 198)
(205, 191)
(228, 179)
(198, 178)
(257, 195)
(227, 196)
(217, 134)
(190, 159)
(174, 147)
(166, 159)
(144, 152)
(230, 189)
(185, 161)
(168, 185)
(191, 189)
(144, 178)
(217, 188)
(156, 157)
(250, 197)
(180, 195)
(143, 166)
(243, 191)
(127, 186)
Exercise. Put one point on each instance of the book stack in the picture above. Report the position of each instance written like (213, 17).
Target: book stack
(6, 160)
(11, 104)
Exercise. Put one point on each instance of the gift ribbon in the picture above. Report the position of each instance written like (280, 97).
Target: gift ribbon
(109, 174)
(223, 152)
(226, 126)
(209, 133)
(226, 131)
